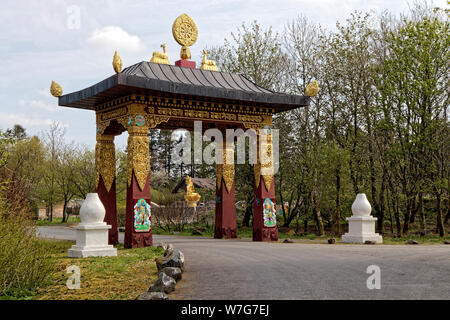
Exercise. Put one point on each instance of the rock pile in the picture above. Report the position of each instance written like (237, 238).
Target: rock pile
(170, 267)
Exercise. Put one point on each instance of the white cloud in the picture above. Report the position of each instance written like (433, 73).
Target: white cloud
(43, 92)
(33, 105)
(115, 38)
(8, 120)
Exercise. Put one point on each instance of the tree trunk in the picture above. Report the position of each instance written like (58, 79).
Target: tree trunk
(380, 221)
(414, 210)
(316, 214)
(447, 216)
(64, 219)
(373, 187)
(305, 221)
(407, 215)
(422, 215)
(397, 216)
(337, 214)
(248, 212)
(439, 221)
(390, 209)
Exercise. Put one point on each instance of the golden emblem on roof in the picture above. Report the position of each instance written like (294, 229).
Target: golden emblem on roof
(312, 89)
(117, 62)
(55, 89)
(185, 32)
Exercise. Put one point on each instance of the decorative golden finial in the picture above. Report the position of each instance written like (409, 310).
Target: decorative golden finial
(312, 89)
(191, 197)
(55, 89)
(159, 57)
(185, 33)
(208, 64)
(117, 62)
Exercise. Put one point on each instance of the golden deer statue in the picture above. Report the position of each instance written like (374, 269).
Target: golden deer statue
(160, 57)
(208, 64)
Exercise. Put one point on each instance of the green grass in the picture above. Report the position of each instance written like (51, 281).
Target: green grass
(106, 278)
(428, 239)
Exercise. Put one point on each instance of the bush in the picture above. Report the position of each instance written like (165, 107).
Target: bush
(25, 262)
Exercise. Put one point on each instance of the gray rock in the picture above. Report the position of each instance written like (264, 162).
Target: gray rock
(287, 240)
(411, 241)
(153, 296)
(332, 241)
(164, 283)
(369, 242)
(169, 250)
(173, 259)
(162, 245)
(173, 272)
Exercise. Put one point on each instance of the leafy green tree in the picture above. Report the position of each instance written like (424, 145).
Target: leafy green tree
(414, 81)
(254, 52)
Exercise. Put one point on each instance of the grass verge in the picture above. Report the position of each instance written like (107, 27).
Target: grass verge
(109, 278)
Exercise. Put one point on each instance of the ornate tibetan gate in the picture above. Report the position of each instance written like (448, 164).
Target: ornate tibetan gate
(150, 95)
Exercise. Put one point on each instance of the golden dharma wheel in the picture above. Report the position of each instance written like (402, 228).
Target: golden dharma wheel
(185, 30)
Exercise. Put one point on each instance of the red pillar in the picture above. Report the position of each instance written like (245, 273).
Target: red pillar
(264, 213)
(264, 199)
(138, 220)
(105, 183)
(135, 238)
(109, 202)
(225, 219)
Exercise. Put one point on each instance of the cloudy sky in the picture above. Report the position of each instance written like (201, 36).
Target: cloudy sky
(72, 42)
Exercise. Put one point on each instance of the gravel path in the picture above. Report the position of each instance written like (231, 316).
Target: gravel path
(241, 269)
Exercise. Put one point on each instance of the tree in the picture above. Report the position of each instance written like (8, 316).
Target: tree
(82, 171)
(53, 142)
(413, 81)
(17, 132)
(254, 52)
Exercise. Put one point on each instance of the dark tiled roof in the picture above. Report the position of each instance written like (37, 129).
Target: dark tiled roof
(148, 77)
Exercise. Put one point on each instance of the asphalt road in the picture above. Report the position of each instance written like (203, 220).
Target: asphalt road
(240, 269)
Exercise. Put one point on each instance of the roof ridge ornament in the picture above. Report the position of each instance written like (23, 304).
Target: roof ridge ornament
(312, 89)
(160, 57)
(55, 89)
(117, 62)
(185, 32)
(208, 64)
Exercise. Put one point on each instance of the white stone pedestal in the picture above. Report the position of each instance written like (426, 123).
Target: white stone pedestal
(361, 226)
(92, 241)
(361, 229)
(92, 232)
